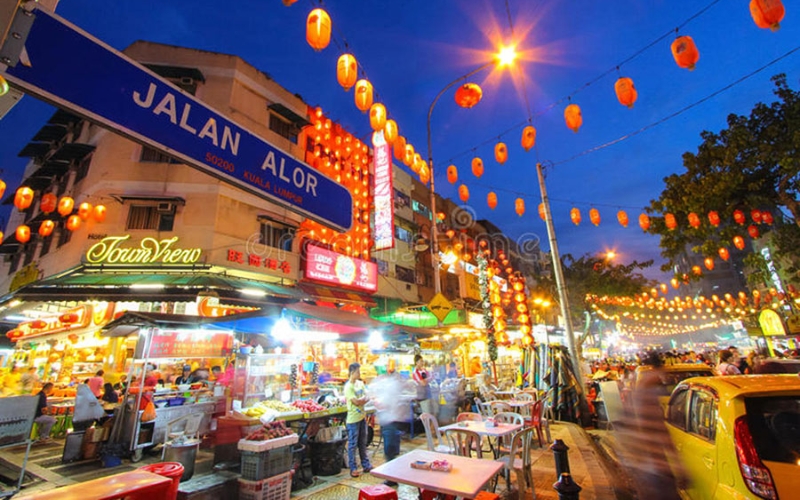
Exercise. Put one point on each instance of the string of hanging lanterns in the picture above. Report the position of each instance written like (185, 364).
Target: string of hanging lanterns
(24, 197)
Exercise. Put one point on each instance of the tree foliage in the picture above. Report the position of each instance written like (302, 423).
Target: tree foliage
(752, 164)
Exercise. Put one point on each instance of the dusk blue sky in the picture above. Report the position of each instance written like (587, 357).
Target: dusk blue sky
(411, 49)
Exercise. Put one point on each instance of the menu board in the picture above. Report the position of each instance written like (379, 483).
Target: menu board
(189, 344)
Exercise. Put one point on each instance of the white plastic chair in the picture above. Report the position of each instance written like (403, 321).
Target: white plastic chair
(435, 439)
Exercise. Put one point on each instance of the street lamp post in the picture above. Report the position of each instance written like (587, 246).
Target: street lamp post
(560, 285)
(437, 281)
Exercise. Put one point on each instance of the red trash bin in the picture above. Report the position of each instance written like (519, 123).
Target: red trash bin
(172, 470)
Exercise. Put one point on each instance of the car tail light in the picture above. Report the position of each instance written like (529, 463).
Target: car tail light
(756, 476)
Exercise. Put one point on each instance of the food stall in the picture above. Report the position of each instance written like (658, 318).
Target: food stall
(163, 341)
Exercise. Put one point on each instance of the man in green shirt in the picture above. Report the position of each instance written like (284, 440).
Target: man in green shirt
(355, 393)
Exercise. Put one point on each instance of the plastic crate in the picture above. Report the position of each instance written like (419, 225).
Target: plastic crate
(272, 488)
(262, 464)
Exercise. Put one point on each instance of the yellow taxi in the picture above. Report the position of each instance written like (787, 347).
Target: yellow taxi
(738, 437)
(671, 375)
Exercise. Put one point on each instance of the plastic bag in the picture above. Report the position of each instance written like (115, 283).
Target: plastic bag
(149, 413)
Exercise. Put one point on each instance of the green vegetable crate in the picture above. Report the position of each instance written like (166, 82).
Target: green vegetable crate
(257, 465)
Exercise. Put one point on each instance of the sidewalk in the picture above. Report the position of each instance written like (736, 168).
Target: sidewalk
(585, 464)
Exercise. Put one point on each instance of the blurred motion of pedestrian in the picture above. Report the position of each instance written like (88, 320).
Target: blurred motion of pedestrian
(644, 439)
(386, 393)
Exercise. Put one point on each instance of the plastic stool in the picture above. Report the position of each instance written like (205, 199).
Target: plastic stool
(487, 495)
(433, 495)
(377, 492)
(172, 470)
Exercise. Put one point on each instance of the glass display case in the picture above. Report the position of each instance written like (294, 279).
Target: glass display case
(258, 377)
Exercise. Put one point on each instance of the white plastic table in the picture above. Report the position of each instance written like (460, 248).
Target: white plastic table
(499, 430)
(465, 480)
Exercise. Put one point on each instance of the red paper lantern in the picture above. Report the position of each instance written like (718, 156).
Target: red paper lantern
(575, 216)
(23, 198)
(463, 193)
(85, 211)
(68, 318)
(694, 220)
(675, 283)
(626, 91)
(377, 116)
(363, 95)
(709, 263)
(500, 152)
(48, 203)
(477, 167)
(766, 218)
(541, 211)
(697, 271)
(738, 216)
(73, 223)
(713, 218)
(755, 214)
(46, 228)
(594, 216)
(644, 222)
(491, 200)
(573, 117)
(2, 188)
(723, 253)
(65, 205)
(468, 95)
(622, 217)
(753, 232)
(452, 174)
(318, 29)
(519, 206)
(399, 148)
(99, 213)
(767, 13)
(347, 71)
(38, 324)
(390, 131)
(685, 52)
(738, 242)
(528, 138)
(23, 234)
(670, 222)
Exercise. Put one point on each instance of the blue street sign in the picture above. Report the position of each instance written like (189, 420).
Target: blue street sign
(75, 71)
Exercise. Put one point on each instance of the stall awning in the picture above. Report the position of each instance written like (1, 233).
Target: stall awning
(146, 285)
(130, 322)
(327, 294)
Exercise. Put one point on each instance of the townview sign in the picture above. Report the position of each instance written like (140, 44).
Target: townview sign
(77, 72)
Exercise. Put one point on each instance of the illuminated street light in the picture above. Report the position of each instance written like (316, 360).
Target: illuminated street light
(505, 57)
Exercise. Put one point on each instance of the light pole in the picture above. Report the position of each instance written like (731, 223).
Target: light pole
(504, 57)
(560, 285)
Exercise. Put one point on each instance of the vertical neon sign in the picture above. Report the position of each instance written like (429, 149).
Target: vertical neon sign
(383, 192)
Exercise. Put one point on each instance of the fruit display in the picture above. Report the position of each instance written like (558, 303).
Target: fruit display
(335, 403)
(315, 374)
(308, 406)
(270, 404)
(293, 377)
(271, 430)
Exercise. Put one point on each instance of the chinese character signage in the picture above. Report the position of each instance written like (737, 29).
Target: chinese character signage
(382, 193)
(254, 260)
(333, 268)
(189, 344)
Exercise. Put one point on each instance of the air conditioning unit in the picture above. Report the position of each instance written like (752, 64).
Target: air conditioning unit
(165, 206)
(187, 80)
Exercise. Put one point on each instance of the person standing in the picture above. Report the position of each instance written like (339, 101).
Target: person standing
(422, 379)
(355, 393)
(45, 421)
(727, 363)
(96, 383)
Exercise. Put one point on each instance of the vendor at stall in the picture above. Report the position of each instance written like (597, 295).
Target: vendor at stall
(186, 376)
(422, 379)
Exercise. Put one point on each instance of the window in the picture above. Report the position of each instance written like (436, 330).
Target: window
(29, 252)
(383, 267)
(276, 235)
(773, 422)
(419, 208)
(159, 217)
(64, 236)
(405, 274)
(45, 246)
(403, 234)
(15, 260)
(401, 200)
(150, 155)
(676, 414)
(83, 168)
(703, 415)
(283, 128)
